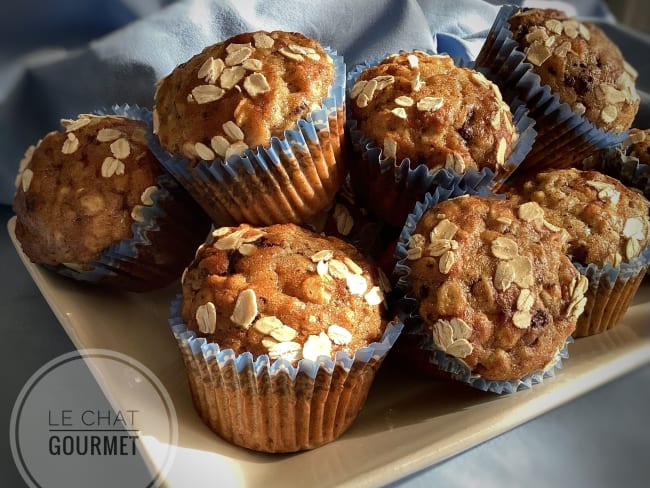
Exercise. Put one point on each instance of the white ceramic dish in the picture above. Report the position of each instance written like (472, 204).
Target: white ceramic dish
(408, 422)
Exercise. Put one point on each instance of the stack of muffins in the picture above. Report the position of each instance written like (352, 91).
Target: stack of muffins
(463, 183)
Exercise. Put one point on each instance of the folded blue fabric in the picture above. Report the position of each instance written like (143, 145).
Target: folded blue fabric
(65, 57)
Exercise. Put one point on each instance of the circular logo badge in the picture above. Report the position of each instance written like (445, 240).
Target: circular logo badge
(64, 432)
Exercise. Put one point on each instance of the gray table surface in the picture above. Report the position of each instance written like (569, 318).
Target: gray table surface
(600, 439)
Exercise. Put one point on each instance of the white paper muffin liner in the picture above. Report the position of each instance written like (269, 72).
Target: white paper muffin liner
(564, 137)
(126, 264)
(457, 368)
(402, 184)
(273, 406)
(291, 180)
(611, 289)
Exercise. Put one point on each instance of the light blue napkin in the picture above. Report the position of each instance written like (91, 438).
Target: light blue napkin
(65, 57)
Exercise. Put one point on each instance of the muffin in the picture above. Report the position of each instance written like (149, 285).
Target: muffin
(573, 78)
(629, 161)
(349, 221)
(415, 110)
(607, 225)
(93, 203)
(282, 331)
(492, 293)
(256, 123)
(638, 145)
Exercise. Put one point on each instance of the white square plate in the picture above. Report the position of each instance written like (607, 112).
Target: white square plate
(407, 424)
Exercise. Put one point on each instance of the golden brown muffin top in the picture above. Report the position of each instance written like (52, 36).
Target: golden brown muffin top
(239, 93)
(78, 191)
(283, 291)
(581, 64)
(423, 107)
(606, 221)
(494, 286)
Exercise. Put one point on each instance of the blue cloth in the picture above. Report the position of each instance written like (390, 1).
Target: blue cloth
(60, 58)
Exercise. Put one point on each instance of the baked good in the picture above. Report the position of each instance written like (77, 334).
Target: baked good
(579, 63)
(348, 220)
(607, 225)
(419, 121)
(638, 145)
(628, 162)
(237, 115)
(496, 298)
(93, 203)
(607, 222)
(425, 110)
(308, 308)
(582, 93)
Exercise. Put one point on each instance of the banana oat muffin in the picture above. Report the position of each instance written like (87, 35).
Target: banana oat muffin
(606, 221)
(638, 145)
(628, 162)
(571, 76)
(608, 236)
(424, 108)
(579, 63)
(239, 93)
(89, 194)
(495, 291)
(283, 291)
(422, 122)
(250, 101)
(302, 318)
